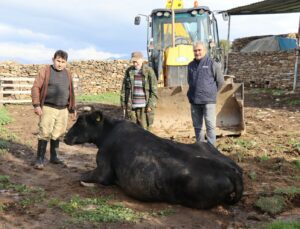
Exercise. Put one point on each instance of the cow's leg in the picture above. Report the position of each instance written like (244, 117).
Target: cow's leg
(103, 174)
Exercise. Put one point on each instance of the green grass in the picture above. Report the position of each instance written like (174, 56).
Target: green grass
(252, 175)
(274, 204)
(30, 196)
(274, 92)
(34, 196)
(264, 158)
(96, 210)
(289, 191)
(293, 102)
(280, 224)
(296, 163)
(5, 135)
(4, 179)
(295, 144)
(163, 213)
(244, 143)
(106, 98)
(4, 117)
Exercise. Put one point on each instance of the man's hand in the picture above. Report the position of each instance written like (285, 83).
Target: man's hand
(38, 111)
(74, 115)
(149, 109)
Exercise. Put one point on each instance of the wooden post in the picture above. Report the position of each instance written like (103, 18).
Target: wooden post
(1, 94)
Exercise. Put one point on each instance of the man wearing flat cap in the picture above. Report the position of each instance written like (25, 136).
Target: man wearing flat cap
(139, 92)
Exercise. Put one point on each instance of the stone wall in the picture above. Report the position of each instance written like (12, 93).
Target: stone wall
(266, 69)
(94, 76)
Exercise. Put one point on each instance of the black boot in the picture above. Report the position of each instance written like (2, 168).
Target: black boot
(41, 150)
(54, 145)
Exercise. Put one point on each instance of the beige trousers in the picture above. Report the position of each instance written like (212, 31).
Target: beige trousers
(53, 123)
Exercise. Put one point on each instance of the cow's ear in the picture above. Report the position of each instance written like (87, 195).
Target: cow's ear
(98, 116)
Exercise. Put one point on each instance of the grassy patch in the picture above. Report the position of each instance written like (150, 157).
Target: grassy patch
(2, 207)
(295, 144)
(244, 143)
(3, 144)
(280, 224)
(293, 102)
(5, 135)
(289, 191)
(97, 210)
(35, 195)
(296, 163)
(252, 175)
(4, 116)
(30, 196)
(272, 91)
(296, 178)
(273, 205)
(4, 181)
(163, 213)
(106, 98)
(264, 158)
(280, 149)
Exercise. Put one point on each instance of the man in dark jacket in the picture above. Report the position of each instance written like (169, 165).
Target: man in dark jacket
(139, 92)
(205, 78)
(52, 98)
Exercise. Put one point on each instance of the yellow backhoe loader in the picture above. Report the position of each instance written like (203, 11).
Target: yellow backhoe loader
(170, 36)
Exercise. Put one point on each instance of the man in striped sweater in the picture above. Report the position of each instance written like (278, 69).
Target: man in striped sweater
(139, 92)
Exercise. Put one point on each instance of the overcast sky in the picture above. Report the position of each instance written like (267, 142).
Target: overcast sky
(31, 30)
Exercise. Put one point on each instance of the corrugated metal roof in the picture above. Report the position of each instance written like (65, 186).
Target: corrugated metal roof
(267, 7)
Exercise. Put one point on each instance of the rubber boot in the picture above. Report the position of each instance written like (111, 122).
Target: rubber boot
(41, 150)
(54, 145)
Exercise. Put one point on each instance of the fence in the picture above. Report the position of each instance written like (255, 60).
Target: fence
(17, 90)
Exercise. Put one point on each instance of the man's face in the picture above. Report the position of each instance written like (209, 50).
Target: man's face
(138, 63)
(59, 63)
(199, 52)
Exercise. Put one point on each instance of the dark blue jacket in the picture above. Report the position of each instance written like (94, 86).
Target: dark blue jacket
(205, 78)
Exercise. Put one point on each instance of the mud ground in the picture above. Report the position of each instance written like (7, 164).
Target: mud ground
(265, 152)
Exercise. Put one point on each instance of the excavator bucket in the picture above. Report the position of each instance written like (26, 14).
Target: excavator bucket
(173, 113)
(230, 108)
(173, 116)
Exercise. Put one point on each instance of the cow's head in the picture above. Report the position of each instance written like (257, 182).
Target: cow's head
(87, 129)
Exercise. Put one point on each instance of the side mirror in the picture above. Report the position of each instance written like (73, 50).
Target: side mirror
(150, 44)
(225, 16)
(137, 20)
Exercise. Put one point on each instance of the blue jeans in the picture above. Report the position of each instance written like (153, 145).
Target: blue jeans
(208, 112)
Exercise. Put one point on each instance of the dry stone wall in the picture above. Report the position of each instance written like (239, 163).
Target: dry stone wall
(266, 69)
(94, 76)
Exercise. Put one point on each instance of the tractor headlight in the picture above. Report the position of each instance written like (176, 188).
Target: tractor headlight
(194, 12)
(166, 14)
(201, 11)
(159, 14)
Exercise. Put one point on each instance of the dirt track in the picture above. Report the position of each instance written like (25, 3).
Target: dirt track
(267, 151)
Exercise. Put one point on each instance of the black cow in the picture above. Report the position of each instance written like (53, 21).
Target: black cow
(150, 168)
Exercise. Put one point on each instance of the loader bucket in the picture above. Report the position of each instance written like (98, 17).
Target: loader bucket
(173, 113)
(230, 108)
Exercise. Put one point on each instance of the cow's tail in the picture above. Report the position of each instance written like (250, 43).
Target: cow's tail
(236, 195)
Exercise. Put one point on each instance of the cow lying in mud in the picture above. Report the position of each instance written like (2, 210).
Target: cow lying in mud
(150, 168)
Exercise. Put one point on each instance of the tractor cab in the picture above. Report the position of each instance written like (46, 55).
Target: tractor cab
(171, 44)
